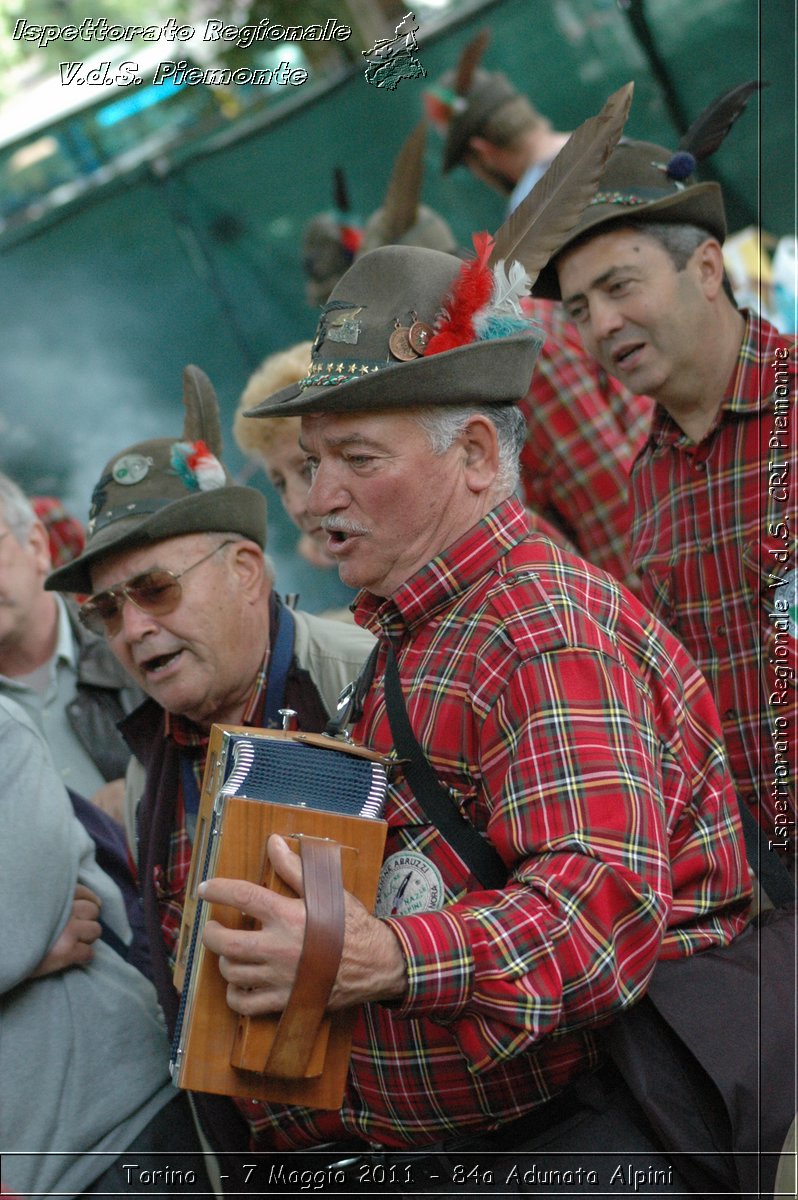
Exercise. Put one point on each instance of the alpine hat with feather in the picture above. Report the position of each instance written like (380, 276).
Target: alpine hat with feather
(408, 327)
(402, 220)
(164, 488)
(463, 100)
(645, 182)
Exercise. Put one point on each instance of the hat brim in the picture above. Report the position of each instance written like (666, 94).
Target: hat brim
(699, 204)
(229, 509)
(488, 372)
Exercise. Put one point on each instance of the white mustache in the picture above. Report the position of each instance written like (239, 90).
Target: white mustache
(341, 525)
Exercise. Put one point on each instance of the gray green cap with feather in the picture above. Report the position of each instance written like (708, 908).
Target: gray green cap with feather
(165, 488)
(644, 182)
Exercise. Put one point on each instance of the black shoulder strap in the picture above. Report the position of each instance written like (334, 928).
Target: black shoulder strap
(484, 862)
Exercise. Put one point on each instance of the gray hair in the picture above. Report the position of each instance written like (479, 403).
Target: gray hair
(444, 425)
(16, 509)
(680, 241)
(508, 123)
(217, 538)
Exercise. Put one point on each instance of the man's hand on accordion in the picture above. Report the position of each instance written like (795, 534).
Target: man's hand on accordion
(260, 964)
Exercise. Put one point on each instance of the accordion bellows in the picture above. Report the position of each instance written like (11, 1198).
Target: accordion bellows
(289, 773)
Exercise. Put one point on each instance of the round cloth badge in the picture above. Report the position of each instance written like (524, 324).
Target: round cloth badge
(131, 468)
(409, 883)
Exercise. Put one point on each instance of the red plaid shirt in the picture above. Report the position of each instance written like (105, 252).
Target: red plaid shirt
(574, 729)
(585, 430)
(714, 538)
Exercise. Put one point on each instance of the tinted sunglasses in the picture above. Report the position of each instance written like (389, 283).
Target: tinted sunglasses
(156, 592)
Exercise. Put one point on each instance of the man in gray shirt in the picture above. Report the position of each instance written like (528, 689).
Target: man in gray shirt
(83, 1048)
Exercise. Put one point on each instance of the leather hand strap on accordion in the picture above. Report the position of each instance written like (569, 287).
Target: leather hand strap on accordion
(319, 960)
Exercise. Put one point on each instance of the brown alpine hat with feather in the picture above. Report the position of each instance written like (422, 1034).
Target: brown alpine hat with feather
(407, 326)
(645, 182)
(164, 488)
(402, 220)
(463, 100)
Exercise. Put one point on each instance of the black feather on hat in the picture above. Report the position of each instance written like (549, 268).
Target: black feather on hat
(646, 182)
(330, 241)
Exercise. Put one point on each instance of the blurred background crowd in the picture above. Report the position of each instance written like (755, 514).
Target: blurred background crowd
(142, 228)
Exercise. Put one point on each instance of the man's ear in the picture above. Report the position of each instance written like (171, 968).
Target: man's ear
(246, 559)
(481, 446)
(483, 149)
(708, 259)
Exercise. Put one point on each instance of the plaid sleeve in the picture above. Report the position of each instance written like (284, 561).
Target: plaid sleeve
(587, 800)
(579, 452)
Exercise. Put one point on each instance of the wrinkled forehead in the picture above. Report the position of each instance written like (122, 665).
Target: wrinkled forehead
(332, 429)
(171, 554)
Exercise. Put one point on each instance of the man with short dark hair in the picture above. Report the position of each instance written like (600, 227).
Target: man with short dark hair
(490, 127)
(713, 539)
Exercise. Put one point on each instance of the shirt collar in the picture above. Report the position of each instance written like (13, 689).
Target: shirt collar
(753, 380)
(447, 575)
(750, 386)
(65, 649)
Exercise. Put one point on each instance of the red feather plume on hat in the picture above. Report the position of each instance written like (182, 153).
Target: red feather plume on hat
(471, 292)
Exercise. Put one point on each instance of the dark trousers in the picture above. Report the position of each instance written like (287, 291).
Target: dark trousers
(590, 1141)
(165, 1159)
(594, 1141)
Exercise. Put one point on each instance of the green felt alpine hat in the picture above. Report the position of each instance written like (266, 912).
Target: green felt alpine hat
(643, 182)
(463, 100)
(165, 488)
(370, 346)
(489, 91)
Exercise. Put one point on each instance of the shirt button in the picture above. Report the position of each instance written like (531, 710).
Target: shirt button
(721, 631)
(700, 465)
(730, 714)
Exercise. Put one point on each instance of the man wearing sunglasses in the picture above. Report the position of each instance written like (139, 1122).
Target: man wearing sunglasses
(178, 584)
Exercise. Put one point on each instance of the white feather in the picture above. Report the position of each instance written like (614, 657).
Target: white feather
(509, 288)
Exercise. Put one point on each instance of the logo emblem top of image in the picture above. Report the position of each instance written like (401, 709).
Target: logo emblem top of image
(390, 60)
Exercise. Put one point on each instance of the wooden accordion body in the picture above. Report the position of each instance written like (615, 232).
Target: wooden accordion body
(325, 797)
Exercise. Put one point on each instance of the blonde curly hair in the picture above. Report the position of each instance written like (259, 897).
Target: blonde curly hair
(254, 437)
